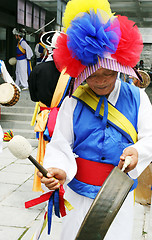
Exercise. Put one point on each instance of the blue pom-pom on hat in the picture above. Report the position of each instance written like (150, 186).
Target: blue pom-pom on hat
(89, 37)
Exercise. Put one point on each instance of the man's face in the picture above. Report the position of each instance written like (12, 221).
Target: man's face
(102, 82)
(17, 37)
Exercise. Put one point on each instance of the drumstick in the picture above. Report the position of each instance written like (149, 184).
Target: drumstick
(126, 163)
(21, 148)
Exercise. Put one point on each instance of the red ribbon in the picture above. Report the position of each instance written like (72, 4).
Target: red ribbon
(52, 120)
(44, 108)
(45, 197)
(61, 201)
(36, 201)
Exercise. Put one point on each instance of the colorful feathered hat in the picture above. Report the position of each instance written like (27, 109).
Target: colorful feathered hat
(94, 37)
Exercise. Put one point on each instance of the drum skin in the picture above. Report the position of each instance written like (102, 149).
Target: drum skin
(143, 190)
(9, 94)
(12, 61)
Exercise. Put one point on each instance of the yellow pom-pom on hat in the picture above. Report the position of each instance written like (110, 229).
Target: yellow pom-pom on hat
(76, 7)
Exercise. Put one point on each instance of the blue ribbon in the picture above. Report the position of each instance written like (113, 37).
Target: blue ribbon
(46, 135)
(56, 203)
(54, 200)
(37, 134)
(105, 115)
(50, 208)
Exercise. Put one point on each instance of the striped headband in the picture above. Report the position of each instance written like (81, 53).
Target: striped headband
(107, 63)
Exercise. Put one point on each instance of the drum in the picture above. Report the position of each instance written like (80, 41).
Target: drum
(143, 191)
(146, 80)
(9, 94)
(12, 61)
(105, 206)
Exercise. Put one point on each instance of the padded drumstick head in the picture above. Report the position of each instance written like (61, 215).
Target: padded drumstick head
(20, 147)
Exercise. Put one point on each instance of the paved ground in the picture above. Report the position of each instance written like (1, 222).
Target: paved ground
(16, 179)
(18, 223)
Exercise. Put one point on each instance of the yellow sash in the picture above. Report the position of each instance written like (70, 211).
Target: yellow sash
(60, 88)
(85, 94)
(21, 49)
(30, 65)
(42, 45)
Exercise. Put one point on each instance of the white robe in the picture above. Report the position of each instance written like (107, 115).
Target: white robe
(5, 74)
(21, 66)
(59, 154)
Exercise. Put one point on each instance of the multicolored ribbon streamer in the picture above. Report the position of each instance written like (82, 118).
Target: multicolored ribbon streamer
(8, 136)
(37, 234)
(55, 199)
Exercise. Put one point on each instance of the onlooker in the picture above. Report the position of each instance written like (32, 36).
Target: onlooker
(24, 55)
(141, 65)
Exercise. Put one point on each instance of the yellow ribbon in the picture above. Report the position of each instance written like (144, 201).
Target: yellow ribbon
(38, 233)
(36, 110)
(40, 127)
(68, 205)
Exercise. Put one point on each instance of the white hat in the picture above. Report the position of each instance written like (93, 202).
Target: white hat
(20, 32)
(49, 39)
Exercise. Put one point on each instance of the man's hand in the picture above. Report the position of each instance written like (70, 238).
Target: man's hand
(132, 152)
(55, 177)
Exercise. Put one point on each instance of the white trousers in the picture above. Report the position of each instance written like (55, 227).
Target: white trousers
(21, 73)
(120, 229)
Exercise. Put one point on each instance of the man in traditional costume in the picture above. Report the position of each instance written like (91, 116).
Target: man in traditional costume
(24, 55)
(105, 120)
(40, 51)
(47, 87)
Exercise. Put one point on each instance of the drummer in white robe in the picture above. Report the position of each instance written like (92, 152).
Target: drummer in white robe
(85, 134)
(24, 55)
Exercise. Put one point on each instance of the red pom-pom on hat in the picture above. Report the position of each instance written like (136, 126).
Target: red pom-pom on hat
(63, 58)
(130, 45)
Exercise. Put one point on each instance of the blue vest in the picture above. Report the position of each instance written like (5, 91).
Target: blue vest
(105, 146)
(40, 49)
(20, 54)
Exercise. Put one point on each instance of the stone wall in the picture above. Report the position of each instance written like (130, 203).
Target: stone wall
(146, 55)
